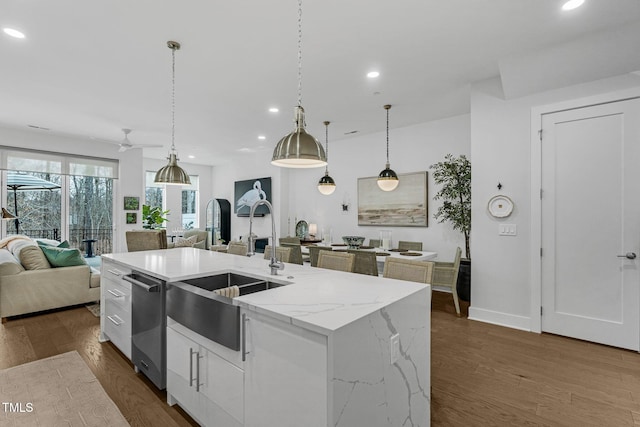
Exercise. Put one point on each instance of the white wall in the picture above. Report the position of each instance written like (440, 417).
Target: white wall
(249, 166)
(173, 194)
(130, 179)
(501, 289)
(412, 149)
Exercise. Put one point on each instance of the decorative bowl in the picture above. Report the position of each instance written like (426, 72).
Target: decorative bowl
(354, 242)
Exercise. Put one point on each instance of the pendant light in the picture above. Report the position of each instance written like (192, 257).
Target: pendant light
(172, 173)
(299, 149)
(387, 179)
(326, 185)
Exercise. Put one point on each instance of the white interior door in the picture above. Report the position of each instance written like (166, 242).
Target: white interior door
(590, 220)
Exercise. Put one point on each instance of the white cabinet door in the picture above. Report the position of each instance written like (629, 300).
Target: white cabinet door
(223, 384)
(182, 359)
(208, 387)
(285, 375)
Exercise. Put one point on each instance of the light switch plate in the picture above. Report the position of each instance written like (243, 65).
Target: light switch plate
(507, 230)
(394, 348)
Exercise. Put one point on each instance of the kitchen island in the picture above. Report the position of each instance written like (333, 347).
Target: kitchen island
(325, 348)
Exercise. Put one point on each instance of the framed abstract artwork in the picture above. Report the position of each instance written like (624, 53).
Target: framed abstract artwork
(406, 206)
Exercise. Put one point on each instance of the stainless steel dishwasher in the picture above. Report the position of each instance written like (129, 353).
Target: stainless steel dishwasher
(148, 326)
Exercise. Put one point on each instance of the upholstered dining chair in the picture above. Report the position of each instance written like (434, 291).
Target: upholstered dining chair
(238, 248)
(411, 246)
(314, 252)
(283, 253)
(289, 239)
(374, 243)
(407, 269)
(296, 252)
(365, 263)
(445, 274)
(341, 261)
(144, 240)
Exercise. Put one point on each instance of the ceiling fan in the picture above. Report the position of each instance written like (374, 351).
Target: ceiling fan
(127, 145)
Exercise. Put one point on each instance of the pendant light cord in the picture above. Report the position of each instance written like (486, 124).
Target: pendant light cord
(387, 107)
(299, 52)
(326, 146)
(173, 98)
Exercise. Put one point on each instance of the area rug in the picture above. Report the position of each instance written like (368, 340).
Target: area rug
(94, 309)
(57, 391)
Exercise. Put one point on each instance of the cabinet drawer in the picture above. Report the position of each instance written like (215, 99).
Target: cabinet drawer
(117, 293)
(117, 326)
(113, 272)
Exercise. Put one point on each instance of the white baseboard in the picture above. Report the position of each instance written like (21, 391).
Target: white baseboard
(502, 319)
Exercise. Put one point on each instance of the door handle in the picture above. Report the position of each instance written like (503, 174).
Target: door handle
(628, 255)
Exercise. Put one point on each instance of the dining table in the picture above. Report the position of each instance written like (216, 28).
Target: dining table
(382, 254)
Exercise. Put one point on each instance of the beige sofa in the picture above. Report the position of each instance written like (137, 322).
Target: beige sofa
(28, 290)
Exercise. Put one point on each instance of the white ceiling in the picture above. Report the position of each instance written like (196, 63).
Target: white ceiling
(91, 68)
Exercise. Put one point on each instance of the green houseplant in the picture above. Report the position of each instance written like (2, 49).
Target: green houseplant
(153, 217)
(454, 176)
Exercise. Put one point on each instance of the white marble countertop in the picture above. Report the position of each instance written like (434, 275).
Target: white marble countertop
(317, 299)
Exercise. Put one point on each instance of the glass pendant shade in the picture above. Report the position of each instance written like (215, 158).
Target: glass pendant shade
(388, 179)
(326, 185)
(299, 149)
(172, 173)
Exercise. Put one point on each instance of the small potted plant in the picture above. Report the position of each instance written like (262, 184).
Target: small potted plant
(153, 217)
(454, 175)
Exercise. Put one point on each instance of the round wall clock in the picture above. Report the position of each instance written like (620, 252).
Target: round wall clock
(500, 206)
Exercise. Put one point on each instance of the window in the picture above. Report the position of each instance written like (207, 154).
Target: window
(190, 204)
(70, 197)
(153, 193)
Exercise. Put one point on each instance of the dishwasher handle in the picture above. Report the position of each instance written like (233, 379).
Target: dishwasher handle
(147, 287)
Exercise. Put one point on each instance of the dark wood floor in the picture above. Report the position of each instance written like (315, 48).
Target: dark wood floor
(481, 375)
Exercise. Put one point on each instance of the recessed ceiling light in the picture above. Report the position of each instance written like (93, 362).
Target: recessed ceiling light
(373, 74)
(572, 4)
(191, 156)
(262, 137)
(13, 33)
(273, 110)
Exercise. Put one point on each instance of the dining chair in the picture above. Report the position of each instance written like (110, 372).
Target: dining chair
(365, 262)
(445, 275)
(144, 240)
(407, 269)
(238, 248)
(296, 252)
(341, 261)
(314, 252)
(289, 239)
(283, 253)
(374, 243)
(411, 246)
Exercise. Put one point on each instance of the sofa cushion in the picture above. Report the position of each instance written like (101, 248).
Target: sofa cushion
(16, 246)
(188, 242)
(9, 264)
(63, 257)
(32, 258)
(94, 278)
(54, 243)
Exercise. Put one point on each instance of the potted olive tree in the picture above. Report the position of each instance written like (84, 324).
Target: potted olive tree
(454, 176)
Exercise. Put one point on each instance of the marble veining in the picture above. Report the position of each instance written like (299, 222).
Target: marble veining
(319, 299)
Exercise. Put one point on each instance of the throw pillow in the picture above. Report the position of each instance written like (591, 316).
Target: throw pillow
(199, 245)
(32, 258)
(188, 242)
(63, 257)
(53, 243)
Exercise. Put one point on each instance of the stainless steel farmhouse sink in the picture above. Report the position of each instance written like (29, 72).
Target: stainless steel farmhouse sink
(194, 304)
